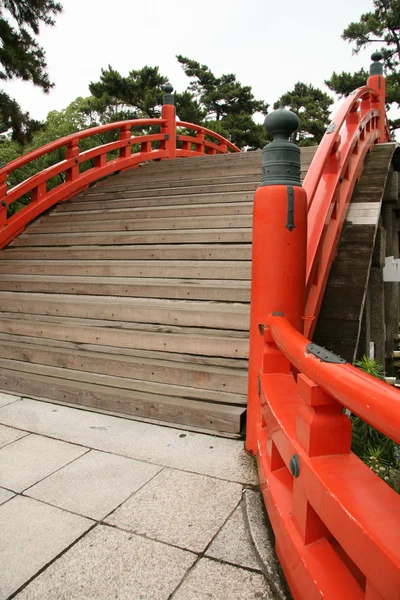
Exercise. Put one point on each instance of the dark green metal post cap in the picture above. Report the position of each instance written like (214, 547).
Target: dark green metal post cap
(168, 97)
(376, 68)
(281, 158)
(281, 123)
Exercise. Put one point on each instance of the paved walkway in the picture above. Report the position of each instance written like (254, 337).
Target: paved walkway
(96, 507)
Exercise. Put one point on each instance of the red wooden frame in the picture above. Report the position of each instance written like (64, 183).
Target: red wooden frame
(36, 186)
(337, 524)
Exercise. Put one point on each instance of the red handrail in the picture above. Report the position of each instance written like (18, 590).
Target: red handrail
(369, 398)
(75, 181)
(74, 138)
(200, 142)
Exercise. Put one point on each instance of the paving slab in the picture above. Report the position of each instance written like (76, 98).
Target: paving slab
(211, 580)
(196, 452)
(233, 543)
(7, 399)
(32, 534)
(5, 495)
(30, 459)
(9, 435)
(108, 563)
(94, 484)
(183, 509)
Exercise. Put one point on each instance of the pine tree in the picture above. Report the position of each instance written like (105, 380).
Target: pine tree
(380, 26)
(311, 105)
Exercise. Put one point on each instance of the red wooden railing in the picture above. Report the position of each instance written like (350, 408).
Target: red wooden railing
(337, 524)
(156, 146)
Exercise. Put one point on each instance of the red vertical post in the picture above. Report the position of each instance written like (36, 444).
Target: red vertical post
(278, 257)
(72, 152)
(377, 82)
(169, 129)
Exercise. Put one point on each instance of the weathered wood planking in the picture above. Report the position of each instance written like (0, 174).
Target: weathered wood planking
(133, 297)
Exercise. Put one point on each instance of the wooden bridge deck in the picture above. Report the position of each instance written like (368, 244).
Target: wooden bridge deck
(133, 297)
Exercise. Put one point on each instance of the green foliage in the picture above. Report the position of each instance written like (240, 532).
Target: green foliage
(312, 106)
(13, 118)
(227, 106)
(23, 58)
(345, 83)
(220, 96)
(20, 54)
(220, 103)
(188, 108)
(382, 26)
(385, 469)
(370, 366)
(374, 448)
(142, 89)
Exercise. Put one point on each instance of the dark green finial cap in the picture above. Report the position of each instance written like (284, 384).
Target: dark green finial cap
(281, 123)
(376, 68)
(281, 158)
(168, 97)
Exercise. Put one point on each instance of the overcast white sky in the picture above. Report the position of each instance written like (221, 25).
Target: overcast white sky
(269, 45)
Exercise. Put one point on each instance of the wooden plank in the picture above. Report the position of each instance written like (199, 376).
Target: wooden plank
(191, 210)
(125, 224)
(213, 315)
(140, 336)
(188, 360)
(121, 382)
(182, 269)
(195, 289)
(187, 175)
(181, 375)
(107, 203)
(174, 410)
(211, 236)
(122, 252)
(189, 189)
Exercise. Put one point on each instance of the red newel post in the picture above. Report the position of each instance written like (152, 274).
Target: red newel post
(377, 82)
(278, 256)
(168, 113)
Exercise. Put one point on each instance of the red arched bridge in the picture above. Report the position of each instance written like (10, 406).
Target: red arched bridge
(133, 297)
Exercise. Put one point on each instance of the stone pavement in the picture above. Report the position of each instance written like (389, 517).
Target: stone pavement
(95, 507)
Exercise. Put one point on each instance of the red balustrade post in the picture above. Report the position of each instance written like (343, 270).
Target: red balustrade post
(278, 257)
(125, 136)
(72, 152)
(169, 129)
(377, 82)
(200, 141)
